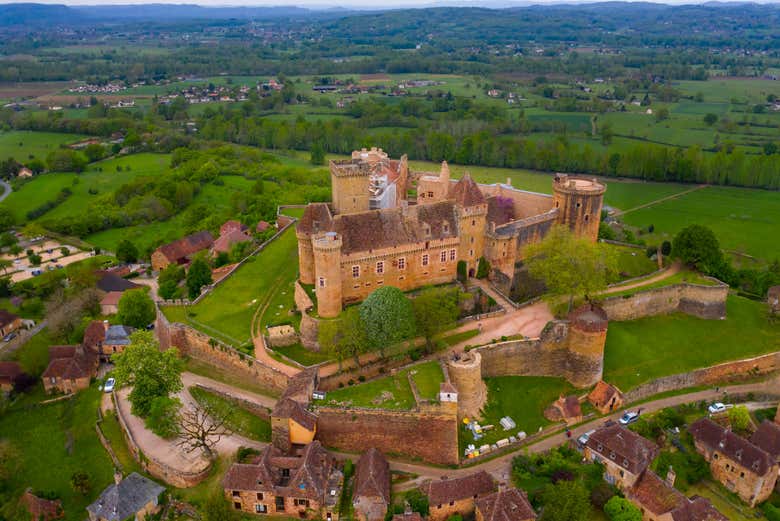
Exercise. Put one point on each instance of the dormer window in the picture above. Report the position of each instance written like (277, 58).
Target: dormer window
(612, 455)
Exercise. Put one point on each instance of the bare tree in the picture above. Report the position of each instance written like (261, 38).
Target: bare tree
(201, 427)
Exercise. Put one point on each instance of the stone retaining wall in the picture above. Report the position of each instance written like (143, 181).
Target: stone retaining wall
(708, 302)
(255, 408)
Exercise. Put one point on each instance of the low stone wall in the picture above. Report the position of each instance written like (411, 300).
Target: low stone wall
(370, 370)
(429, 434)
(721, 373)
(708, 302)
(200, 346)
(156, 468)
(255, 408)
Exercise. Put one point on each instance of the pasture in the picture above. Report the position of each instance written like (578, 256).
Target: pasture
(23, 145)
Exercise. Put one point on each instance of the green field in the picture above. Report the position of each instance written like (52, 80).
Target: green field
(391, 392)
(21, 144)
(638, 351)
(54, 441)
(228, 310)
(744, 220)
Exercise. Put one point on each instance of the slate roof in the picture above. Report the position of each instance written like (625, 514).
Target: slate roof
(9, 372)
(697, 509)
(109, 282)
(626, 448)
(6, 317)
(767, 437)
(118, 335)
(118, 502)
(372, 475)
(466, 192)
(441, 492)
(506, 505)
(735, 447)
(316, 218)
(186, 246)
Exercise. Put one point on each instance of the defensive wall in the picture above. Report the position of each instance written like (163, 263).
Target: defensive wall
(429, 432)
(202, 347)
(708, 302)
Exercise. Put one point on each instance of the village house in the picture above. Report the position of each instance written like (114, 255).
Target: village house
(9, 322)
(293, 426)
(624, 454)
(508, 504)
(24, 172)
(375, 233)
(605, 397)
(767, 437)
(113, 281)
(448, 497)
(70, 369)
(181, 251)
(109, 304)
(106, 339)
(134, 497)
(306, 486)
(41, 509)
(227, 240)
(9, 372)
(658, 500)
(742, 467)
(371, 495)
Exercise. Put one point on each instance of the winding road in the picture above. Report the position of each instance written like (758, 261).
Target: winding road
(6, 190)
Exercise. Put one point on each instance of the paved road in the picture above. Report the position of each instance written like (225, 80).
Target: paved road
(6, 190)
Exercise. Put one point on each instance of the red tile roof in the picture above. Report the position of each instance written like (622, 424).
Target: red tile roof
(466, 192)
(111, 298)
(506, 505)
(408, 516)
(230, 226)
(441, 492)
(7, 318)
(767, 437)
(602, 394)
(316, 218)
(654, 494)
(94, 334)
(226, 241)
(262, 226)
(81, 364)
(372, 475)
(734, 447)
(9, 372)
(626, 448)
(186, 246)
(289, 408)
(697, 509)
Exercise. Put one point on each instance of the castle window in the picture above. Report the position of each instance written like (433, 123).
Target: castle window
(380, 267)
(443, 256)
(556, 204)
(322, 282)
(355, 271)
(472, 240)
(426, 229)
(452, 255)
(579, 204)
(260, 496)
(380, 282)
(446, 227)
(237, 505)
(425, 259)
(587, 217)
(236, 493)
(430, 194)
(261, 509)
(473, 222)
(471, 253)
(401, 277)
(402, 263)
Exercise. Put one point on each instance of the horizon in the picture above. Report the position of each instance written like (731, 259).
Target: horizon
(368, 5)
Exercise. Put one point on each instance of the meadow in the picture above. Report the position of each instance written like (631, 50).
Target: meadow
(23, 145)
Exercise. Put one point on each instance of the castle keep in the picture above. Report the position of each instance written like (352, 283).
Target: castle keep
(377, 232)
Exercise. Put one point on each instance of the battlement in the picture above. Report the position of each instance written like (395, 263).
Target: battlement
(327, 241)
(578, 185)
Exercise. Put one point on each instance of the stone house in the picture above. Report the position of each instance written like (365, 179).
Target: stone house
(134, 497)
(371, 495)
(658, 500)
(70, 369)
(9, 372)
(226, 241)
(181, 251)
(306, 486)
(767, 437)
(605, 397)
(742, 467)
(106, 339)
(447, 497)
(293, 426)
(375, 232)
(9, 322)
(41, 509)
(624, 454)
(109, 304)
(505, 505)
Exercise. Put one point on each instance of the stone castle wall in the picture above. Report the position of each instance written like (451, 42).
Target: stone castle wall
(430, 433)
(202, 347)
(708, 302)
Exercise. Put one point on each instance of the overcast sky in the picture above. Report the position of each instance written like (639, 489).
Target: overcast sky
(342, 3)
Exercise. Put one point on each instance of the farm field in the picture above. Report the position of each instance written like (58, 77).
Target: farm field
(228, 310)
(638, 351)
(743, 219)
(21, 144)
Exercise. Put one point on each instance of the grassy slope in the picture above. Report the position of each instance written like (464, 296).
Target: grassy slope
(641, 350)
(20, 144)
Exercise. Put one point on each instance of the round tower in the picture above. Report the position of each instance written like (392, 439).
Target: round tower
(579, 203)
(327, 273)
(586, 339)
(465, 372)
(305, 257)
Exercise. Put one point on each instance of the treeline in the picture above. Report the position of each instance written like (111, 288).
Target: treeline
(50, 205)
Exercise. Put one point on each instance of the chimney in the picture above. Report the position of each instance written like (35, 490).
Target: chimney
(117, 477)
(509, 181)
(444, 175)
(671, 476)
(105, 325)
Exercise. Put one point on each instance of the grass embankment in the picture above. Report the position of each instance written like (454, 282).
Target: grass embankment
(691, 277)
(239, 420)
(638, 351)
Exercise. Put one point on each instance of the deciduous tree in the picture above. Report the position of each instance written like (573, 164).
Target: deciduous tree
(566, 501)
(198, 275)
(136, 308)
(201, 427)
(388, 317)
(621, 509)
(435, 310)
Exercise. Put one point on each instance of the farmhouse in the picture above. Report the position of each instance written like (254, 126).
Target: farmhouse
(744, 468)
(70, 369)
(605, 397)
(302, 486)
(375, 233)
(181, 251)
(448, 497)
(624, 453)
(658, 500)
(106, 339)
(372, 486)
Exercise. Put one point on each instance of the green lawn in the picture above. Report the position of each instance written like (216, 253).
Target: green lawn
(682, 276)
(632, 262)
(21, 144)
(302, 355)
(228, 310)
(34, 354)
(640, 350)
(391, 392)
(54, 441)
(743, 219)
(113, 433)
(239, 420)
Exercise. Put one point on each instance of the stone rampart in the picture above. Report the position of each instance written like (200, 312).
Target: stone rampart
(429, 434)
(708, 302)
(200, 346)
(721, 373)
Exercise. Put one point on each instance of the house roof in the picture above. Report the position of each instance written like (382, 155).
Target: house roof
(316, 218)
(230, 226)
(262, 226)
(570, 406)
(408, 516)
(110, 282)
(111, 298)
(372, 475)
(62, 352)
(226, 241)
(767, 437)
(120, 501)
(697, 509)
(736, 448)
(626, 448)
(80, 364)
(654, 494)
(186, 246)
(447, 387)
(94, 334)
(9, 371)
(6, 317)
(500, 210)
(118, 335)
(603, 393)
(506, 505)
(443, 491)
(466, 192)
(289, 408)
(41, 509)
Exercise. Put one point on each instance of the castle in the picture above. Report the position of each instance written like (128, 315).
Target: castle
(378, 231)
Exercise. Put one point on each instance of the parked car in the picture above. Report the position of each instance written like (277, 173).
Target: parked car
(9, 337)
(629, 417)
(582, 440)
(719, 407)
(109, 386)
(36, 272)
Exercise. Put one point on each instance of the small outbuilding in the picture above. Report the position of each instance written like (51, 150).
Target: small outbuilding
(133, 497)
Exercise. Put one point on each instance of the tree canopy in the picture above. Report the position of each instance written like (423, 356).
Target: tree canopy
(388, 317)
(136, 308)
(198, 275)
(621, 509)
(435, 310)
(697, 246)
(566, 501)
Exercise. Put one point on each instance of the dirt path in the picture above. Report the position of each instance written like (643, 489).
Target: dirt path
(190, 379)
(618, 213)
(670, 271)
